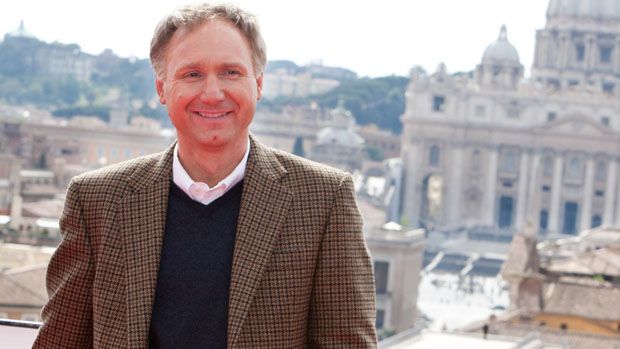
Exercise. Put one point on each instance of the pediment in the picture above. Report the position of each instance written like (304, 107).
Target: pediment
(577, 125)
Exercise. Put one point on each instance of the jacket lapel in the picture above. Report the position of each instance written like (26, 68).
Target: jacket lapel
(142, 219)
(264, 204)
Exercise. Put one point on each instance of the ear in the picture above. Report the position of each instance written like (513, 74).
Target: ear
(259, 87)
(159, 86)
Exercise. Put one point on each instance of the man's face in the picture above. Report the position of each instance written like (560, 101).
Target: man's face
(209, 86)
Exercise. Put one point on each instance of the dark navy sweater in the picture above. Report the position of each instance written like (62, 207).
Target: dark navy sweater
(193, 283)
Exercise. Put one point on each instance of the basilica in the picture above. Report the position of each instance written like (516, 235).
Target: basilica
(492, 149)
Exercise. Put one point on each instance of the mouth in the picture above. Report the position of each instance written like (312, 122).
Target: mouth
(211, 115)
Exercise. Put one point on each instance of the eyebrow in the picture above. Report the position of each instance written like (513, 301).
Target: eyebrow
(196, 65)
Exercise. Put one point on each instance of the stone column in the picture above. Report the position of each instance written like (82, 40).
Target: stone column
(616, 59)
(610, 193)
(556, 195)
(533, 197)
(617, 222)
(488, 205)
(522, 198)
(586, 204)
(591, 51)
(456, 186)
(412, 168)
(563, 57)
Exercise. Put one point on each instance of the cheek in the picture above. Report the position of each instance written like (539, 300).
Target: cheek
(180, 96)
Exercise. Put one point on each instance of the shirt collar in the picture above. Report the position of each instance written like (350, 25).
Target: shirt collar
(182, 179)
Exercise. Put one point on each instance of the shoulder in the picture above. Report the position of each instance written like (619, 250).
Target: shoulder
(125, 175)
(311, 180)
(301, 168)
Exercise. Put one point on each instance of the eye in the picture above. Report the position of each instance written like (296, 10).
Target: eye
(232, 72)
(192, 74)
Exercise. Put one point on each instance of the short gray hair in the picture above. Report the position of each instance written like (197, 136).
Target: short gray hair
(188, 17)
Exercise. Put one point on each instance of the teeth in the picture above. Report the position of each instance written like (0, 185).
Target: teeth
(209, 115)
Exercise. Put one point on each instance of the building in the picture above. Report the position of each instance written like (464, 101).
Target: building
(428, 339)
(23, 293)
(9, 181)
(493, 149)
(56, 59)
(89, 142)
(397, 263)
(339, 145)
(385, 141)
(46, 152)
(564, 295)
(281, 83)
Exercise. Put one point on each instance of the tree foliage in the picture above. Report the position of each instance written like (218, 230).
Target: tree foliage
(380, 101)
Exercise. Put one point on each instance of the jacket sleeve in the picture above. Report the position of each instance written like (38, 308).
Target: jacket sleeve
(342, 309)
(67, 316)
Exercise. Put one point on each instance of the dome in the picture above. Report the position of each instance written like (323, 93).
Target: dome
(21, 32)
(501, 51)
(339, 136)
(592, 9)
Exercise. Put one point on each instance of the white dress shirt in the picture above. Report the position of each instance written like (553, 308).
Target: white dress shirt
(200, 191)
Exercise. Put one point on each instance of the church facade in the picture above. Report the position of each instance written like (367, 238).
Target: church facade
(493, 149)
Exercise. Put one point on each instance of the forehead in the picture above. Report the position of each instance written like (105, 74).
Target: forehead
(218, 33)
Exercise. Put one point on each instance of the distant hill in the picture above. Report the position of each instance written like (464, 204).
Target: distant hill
(62, 77)
(315, 70)
(69, 82)
(380, 101)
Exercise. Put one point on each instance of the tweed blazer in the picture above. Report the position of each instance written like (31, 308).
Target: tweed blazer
(301, 274)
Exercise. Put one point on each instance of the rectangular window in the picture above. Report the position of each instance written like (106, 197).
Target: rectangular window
(507, 184)
(608, 87)
(599, 193)
(573, 83)
(546, 188)
(380, 322)
(606, 53)
(554, 84)
(570, 218)
(551, 116)
(381, 276)
(605, 120)
(439, 103)
(506, 204)
(544, 219)
(580, 52)
(480, 111)
(513, 110)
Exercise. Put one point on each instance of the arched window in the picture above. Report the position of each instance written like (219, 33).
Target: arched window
(433, 156)
(509, 162)
(574, 168)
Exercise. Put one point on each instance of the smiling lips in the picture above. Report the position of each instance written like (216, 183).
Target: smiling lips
(211, 114)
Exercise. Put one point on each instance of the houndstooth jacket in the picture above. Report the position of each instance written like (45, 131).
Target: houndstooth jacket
(301, 274)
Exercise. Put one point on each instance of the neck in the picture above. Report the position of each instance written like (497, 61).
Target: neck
(210, 165)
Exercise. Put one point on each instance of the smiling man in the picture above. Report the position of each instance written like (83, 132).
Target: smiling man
(218, 242)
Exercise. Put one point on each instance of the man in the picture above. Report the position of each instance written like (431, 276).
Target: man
(218, 242)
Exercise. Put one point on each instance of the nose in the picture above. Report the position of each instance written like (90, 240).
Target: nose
(212, 91)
